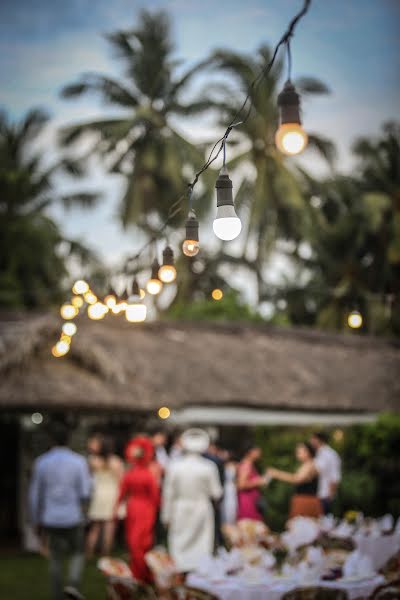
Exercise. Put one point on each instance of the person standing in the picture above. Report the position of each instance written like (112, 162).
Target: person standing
(107, 471)
(140, 489)
(60, 485)
(213, 455)
(305, 501)
(230, 500)
(329, 466)
(249, 485)
(191, 486)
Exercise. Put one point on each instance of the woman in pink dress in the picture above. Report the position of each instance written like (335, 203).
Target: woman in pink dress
(249, 484)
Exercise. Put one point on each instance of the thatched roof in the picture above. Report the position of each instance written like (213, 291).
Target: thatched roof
(115, 365)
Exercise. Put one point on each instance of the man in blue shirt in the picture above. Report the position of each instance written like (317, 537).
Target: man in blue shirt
(60, 486)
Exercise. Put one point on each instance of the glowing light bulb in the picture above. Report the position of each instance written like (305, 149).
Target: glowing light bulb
(80, 287)
(69, 329)
(291, 138)
(164, 412)
(110, 301)
(136, 312)
(90, 297)
(77, 301)
(154, 286)
(60, 349)
(68, 311)
(354, 319)
(167, 272)
(227, 224)
(217, 294)
(191, 246)
(65, 338)
(37, 418)
(97, 311)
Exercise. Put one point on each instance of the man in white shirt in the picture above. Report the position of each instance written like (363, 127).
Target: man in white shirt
(329, 467)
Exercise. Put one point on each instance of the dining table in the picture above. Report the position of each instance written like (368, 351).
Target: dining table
(274, 587)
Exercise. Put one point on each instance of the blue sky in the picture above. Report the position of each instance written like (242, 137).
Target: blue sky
(353, 45)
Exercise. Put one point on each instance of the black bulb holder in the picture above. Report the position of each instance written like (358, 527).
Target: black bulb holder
(224, 188)
(168, 256)
(192, 227)
(155, 267)
(289, 104)
(135, 289)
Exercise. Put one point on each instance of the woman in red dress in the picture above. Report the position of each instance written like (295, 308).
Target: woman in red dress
(141, 491)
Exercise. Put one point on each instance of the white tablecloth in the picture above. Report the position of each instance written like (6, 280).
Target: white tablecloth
(234, 588)
(379, 549)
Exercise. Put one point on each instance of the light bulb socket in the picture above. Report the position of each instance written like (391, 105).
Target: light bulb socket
(224, 187)
(192, 227)
(289, 104)
(135, 289)
(124, 296)
(155, 267)
(168, 256)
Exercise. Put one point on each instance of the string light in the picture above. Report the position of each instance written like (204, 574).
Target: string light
(154, 285)
(97, 311)
(164, 412)
(60, 349)
(110, 300)
(227, 224)
(68, 311)
(354, 319)
(77, 301)
(135, 311)
(69, 329)
(167, 272)
(191, 246)
(90, 298)
(217, 294)
(290, 138)
(80, 287)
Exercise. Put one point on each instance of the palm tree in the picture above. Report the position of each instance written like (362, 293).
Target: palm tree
(142, 143)
(271, 202)
(32, 266)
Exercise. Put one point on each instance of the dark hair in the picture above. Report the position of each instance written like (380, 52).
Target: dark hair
(310, 448)
(247, 447)
(322, 436)
(106, 446)
(59, 434)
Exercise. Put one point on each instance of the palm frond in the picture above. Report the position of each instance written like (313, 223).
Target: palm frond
(311, 86)
(82, 199)
(109, 89)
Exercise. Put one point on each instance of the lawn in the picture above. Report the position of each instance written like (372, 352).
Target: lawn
(25, 577)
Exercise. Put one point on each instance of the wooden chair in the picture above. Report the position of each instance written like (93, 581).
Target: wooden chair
(315, 593)
(391, 570)
(184, 592)
(387, 591)
(121, 588)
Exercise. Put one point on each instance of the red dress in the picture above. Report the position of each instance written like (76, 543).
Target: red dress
(142, 493)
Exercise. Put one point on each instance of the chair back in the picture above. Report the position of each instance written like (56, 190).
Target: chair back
(315, 593)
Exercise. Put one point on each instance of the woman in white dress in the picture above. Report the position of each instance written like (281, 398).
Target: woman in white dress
(107, 471)
(191, 485)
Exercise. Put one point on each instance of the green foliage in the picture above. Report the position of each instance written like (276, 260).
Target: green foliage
(371, 468)
(144, 145)
(230, 308)
(32, 268)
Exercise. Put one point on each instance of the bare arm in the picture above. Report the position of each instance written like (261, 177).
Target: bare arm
(245, 483)
(303, 474)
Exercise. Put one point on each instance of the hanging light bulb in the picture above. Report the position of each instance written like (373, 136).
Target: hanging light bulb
(77, 301)
(135, 311)
(227, 224)
(217, 294)
(97, 311)
(69, 329)
(60, 349)
(354, 319)
(167, 271)
(290, 138)
(154, 285)
(90, 297)
(68, 311)
(191, 246)
(110, 300)
(80, 287)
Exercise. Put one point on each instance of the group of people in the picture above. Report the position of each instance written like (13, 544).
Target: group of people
(185, 494)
